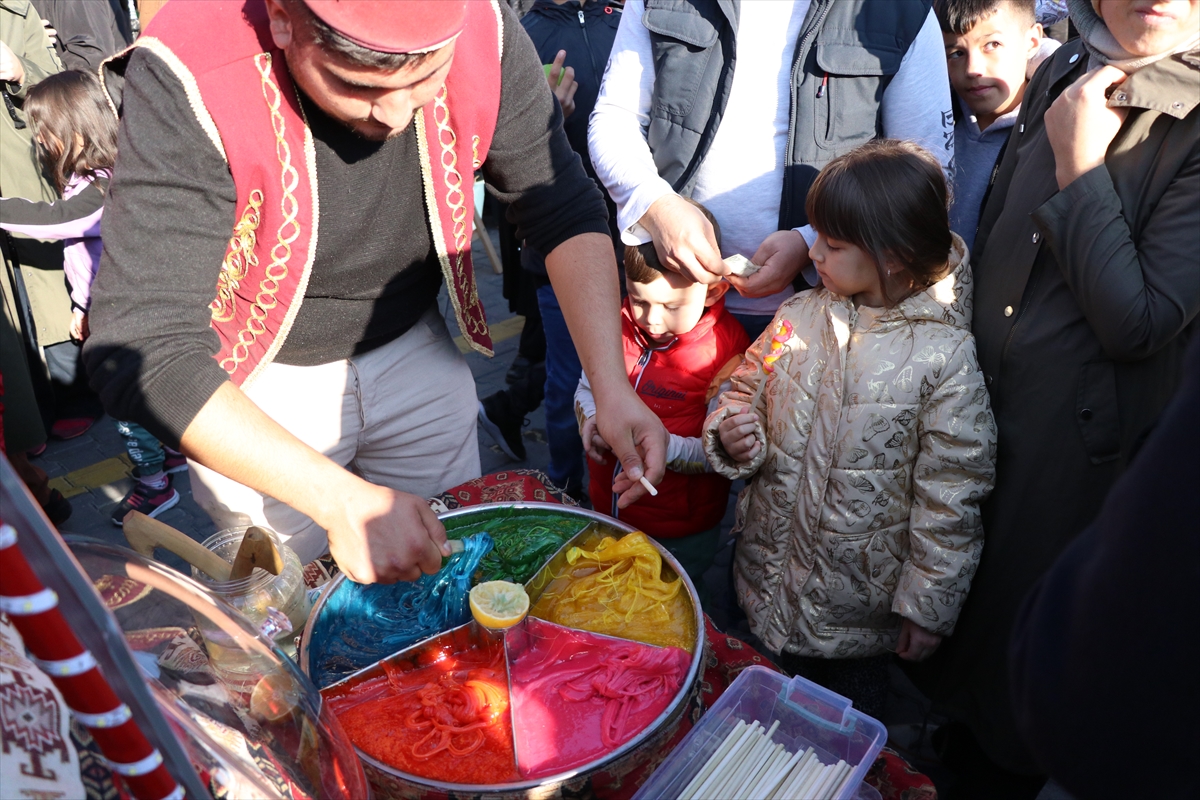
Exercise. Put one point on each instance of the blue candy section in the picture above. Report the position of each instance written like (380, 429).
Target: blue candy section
(362, 623)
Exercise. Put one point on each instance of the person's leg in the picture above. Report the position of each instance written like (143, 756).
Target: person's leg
(695, 554)
(152, 493)
(562, 378)
(319, 406)
(419, 407)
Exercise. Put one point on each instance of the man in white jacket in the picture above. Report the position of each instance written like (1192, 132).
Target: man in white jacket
(738, 105)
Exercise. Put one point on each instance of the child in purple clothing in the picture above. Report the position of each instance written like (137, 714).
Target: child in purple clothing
(76, 135)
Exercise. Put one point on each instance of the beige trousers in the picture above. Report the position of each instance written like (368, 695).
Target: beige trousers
(401, 416)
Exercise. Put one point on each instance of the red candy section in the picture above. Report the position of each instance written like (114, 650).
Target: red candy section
(577, 696)
(447, 720)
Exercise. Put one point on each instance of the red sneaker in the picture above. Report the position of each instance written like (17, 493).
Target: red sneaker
(147, 500)
(71, 427)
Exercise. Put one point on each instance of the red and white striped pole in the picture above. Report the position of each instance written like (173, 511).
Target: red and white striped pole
(34, 612)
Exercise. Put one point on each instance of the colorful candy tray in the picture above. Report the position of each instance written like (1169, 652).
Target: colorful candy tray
(638, 737)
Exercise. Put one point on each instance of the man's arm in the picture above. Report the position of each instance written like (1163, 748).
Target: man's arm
(647, 208)
(559, 211)
(916, 104)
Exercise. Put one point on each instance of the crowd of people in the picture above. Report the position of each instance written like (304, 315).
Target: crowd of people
(921, 275)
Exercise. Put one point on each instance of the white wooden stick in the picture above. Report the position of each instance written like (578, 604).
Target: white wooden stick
(707, 767)
(839, 780)
(824, 789)
(649, 486)
(804, 789)
(752, 763)
(780, 774)
(717, 774)
(800, 775)
(739, 769)
(765, 781)
(765, 763)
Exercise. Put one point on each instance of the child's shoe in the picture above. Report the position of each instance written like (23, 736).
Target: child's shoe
(174, 462)
(147, 500)
(502, 424)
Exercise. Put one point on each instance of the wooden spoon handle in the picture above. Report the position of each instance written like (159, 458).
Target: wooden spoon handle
(256, 550)
(145, 534)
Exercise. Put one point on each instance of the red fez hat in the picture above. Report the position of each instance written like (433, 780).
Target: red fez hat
(394, 26)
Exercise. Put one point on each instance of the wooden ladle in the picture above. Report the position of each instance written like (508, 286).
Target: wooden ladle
(145, 534)
(256, 550)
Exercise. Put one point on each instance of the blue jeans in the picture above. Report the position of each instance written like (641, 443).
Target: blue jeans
(562, 377)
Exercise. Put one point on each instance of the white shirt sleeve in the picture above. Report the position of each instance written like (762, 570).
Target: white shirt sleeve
(617, 127)
(916, 104)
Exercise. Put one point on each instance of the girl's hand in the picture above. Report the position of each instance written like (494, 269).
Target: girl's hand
(916, 643)
(79, 326)
(738, 437)
(593, 443)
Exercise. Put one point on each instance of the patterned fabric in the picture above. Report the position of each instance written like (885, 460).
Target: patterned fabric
(36, 756)
(864, 503)
(510, 486)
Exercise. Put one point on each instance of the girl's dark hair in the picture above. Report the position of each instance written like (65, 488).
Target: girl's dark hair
(889, 198)
(61, 106)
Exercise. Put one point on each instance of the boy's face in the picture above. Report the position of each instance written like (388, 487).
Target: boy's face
(670, 305)
(987, 63)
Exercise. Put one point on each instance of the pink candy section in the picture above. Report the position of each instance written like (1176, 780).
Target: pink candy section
(577, 696)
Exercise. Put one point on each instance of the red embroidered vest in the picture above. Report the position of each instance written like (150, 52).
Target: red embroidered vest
(239, 87)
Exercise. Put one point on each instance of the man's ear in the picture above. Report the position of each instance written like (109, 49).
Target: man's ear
(282, 24)
(715, 292)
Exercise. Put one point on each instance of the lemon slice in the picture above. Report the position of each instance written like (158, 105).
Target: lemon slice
(499, 604)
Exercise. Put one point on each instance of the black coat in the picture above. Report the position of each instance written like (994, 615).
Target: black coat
(1104, 653)
(1084, 303)
(89, 31)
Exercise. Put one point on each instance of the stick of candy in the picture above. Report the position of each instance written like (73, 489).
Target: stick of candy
(649, 486)
(774, 352)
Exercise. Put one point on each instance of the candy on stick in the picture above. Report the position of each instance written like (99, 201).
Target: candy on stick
(782, 334)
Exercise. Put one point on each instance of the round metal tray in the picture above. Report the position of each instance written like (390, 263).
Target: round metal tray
(609, 775)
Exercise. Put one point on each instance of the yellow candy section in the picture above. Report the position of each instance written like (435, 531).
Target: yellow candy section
(617, 589)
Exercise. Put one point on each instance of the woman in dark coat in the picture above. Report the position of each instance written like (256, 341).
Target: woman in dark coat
(1087, 287)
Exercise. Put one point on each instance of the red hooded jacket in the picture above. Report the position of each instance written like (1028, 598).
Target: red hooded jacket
(676, 381)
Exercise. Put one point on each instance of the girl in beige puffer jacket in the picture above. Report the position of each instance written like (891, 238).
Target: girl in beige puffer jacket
(861, 418)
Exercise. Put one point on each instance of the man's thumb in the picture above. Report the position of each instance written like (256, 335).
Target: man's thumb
(631, 464)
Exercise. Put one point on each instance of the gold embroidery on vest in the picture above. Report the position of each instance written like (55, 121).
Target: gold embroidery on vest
(455, 200)
(475, 152)
(239, 261)
(289, 228)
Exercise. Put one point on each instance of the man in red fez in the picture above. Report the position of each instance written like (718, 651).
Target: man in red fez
(293, 190)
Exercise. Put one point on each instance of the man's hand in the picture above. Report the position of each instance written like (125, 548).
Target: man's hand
(563, 83)
(1081, 126)
(379, 535)
(684, 239)
(50, 32)
(916, 643)
(593, 443)
(782, 255)
(11, 68)
(738, 437)
(636, 437)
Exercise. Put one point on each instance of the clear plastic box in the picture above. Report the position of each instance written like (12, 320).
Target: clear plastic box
(809, 716)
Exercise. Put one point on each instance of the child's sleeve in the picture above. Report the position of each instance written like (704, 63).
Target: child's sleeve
(585, 402)
(954, 471)
(73, 218)
(743, 385)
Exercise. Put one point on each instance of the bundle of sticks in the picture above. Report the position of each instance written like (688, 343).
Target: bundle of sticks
(749, 765)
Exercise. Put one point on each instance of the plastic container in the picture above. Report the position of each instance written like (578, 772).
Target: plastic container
(809, 716)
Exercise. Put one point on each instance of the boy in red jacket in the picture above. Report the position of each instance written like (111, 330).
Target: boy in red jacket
(680, 346)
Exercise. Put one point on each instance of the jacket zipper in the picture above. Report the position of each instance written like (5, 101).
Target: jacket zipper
(801, 56)
(588, 43)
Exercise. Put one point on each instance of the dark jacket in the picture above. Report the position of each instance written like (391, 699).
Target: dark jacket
(1084, 301)
(89, 31)
(586, 32)
(1104, 652)
(848, 53)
